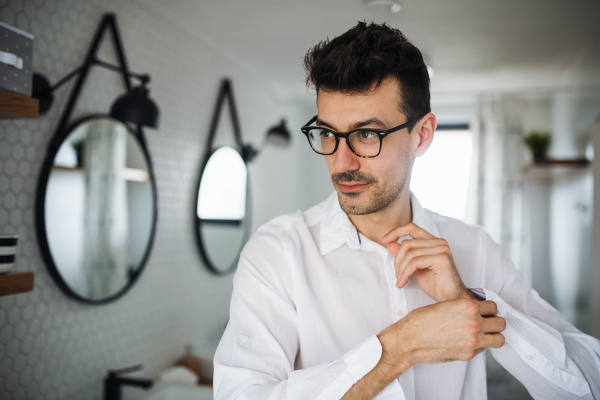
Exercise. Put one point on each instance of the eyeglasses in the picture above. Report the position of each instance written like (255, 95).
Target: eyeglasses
(364, 142)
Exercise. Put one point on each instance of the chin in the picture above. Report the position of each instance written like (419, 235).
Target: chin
(352, 203)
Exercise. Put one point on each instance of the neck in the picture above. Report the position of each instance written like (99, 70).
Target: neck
(375, 226)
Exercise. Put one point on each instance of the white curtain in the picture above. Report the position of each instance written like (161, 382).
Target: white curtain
(496, 190)
(106, 218)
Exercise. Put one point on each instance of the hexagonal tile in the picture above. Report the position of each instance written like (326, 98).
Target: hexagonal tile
(22, 23)
(27, 344)
(33, 390)
(6, 333)
(13, 315)
(26, 376)
(15, 217)
(27, 313)
(8, 16)
(19, 393)
(29, 10)
(19, 363)
(20, 330)
(12, 349)
(12, 381)
(16, 5)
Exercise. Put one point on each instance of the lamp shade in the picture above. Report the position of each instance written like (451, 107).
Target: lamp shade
(136, 107)
(279, 135)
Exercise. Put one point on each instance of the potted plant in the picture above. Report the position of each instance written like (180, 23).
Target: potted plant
(78, 148)
(538, 142)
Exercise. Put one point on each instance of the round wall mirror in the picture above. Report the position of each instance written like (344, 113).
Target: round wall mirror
(96, 210)
(222, 212)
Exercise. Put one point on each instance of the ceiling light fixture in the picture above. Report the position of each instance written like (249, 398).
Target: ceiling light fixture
(391, 6)
(430, 71)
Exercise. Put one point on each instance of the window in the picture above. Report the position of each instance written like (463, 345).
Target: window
(440, 177)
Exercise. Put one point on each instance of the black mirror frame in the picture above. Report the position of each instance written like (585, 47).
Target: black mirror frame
(40, 214)
(225, 93)
(63, 129)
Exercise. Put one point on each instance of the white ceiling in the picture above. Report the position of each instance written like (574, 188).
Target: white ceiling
(473, 45)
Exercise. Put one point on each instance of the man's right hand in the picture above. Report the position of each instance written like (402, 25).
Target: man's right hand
(442, 332)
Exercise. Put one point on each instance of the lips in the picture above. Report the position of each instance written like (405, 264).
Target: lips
(353, 187)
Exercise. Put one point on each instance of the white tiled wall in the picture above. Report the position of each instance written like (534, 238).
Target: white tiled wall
(52, 347)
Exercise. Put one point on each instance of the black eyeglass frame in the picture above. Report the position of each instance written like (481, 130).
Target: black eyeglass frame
(346, 135)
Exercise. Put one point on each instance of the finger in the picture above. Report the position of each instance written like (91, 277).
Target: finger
(409, 244)
(492, 340)
(487, 307)
(423, 262)
(411, 229)
(394, 247)
(402, 261)
(493, 325)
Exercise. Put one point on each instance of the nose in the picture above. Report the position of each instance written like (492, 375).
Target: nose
(345, 159)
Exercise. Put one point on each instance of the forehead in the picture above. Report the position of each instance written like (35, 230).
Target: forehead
(342, 109)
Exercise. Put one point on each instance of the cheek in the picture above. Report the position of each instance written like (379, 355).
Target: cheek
(395, 159)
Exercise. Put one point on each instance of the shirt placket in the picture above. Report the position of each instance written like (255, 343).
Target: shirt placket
(399, 311)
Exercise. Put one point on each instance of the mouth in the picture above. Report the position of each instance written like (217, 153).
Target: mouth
(352, 187)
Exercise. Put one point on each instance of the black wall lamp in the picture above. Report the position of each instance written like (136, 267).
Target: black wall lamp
(277, 135)
(134, 106)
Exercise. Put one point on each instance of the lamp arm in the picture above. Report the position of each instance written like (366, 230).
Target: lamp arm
(66, 79)
(144, 78)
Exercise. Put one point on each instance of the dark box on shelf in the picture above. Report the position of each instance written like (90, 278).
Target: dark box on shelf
(16, 53)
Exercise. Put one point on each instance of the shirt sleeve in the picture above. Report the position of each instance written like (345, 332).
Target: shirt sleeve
(552, 358)
(256, 356)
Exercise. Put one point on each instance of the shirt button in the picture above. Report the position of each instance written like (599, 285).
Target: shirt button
(529, 357)
(400, 313)
(244, 339)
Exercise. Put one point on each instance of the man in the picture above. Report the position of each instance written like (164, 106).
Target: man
(365, 295)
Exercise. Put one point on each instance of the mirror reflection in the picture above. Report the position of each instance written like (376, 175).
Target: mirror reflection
(99, 208)
(221, 208)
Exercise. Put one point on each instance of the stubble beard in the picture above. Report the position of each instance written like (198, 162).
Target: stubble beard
(379, 197)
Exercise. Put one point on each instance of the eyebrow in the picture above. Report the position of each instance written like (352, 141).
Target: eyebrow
(359, 124)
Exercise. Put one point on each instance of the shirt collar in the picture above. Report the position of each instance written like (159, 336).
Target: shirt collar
(337, 229)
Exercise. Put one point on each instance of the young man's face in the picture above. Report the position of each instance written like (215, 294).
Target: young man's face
(369, 185)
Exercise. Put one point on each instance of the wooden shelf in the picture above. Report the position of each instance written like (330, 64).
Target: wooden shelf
(17, 106)
(551, 170)
(16, 282)
(566, 162)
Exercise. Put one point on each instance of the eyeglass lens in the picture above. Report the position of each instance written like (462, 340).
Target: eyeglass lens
(364, 143)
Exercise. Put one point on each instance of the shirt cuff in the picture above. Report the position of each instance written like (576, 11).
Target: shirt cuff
(363, 358)
(522, 332)
(360, 360)
(479, 293)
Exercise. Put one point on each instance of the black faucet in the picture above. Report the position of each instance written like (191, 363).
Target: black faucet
(113, 382)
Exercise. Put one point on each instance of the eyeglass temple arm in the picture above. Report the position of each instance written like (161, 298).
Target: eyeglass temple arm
(404, 125)
(313, 119)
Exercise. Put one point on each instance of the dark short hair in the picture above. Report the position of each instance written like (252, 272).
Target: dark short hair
(363, 57)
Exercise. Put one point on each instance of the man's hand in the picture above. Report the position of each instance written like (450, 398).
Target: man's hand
(442, 332)
(429, 259)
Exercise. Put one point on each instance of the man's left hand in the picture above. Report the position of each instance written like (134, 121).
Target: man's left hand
(429, 259)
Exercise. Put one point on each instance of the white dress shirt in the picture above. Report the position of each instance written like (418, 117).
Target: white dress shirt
(310, 295)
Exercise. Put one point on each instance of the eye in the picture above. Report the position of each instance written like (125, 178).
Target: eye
(327, 134)
(367, 135)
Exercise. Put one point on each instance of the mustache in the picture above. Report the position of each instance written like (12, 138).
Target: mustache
(353, 176)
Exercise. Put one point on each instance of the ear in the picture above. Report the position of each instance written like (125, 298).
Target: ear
(424, 131)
